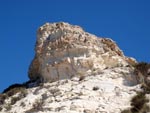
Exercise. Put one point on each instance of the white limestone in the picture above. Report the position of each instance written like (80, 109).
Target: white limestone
(64, 51)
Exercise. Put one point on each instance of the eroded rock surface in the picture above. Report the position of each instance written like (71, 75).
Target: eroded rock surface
(63, 51)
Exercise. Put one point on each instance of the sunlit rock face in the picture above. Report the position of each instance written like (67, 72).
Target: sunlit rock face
(63, 51)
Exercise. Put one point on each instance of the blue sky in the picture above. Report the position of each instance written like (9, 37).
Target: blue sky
(125, 21)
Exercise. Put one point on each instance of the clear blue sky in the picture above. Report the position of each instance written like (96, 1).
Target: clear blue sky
(125, 21)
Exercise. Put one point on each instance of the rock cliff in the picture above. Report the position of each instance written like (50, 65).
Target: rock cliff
(63, 51)
(80, 73)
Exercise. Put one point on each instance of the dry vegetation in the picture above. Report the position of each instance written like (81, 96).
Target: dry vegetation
(37, 106)
(10, 93)
(139, 103)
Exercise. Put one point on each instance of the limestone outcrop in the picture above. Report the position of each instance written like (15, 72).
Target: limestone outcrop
(63, 51)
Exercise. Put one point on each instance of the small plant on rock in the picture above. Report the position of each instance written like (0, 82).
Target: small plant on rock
(8, 107)
(142, 72)
(37, 106)
(139, 102)
(2, 98)
(14, 100)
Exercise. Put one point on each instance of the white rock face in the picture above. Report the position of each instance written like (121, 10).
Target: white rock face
(64, 51)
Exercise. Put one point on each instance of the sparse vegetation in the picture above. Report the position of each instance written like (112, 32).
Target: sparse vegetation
(14, 100)
(139, 101)
(1, 108)
(55, 91)
(14, 86)
(28, 84)
(2, 98)
(142, 71)
(13, 91)
(8, 107)
(139, 104)
(146, 88)
(10, 93)
(44, 96)
(37, 106)
(142, 67)
(22, 104)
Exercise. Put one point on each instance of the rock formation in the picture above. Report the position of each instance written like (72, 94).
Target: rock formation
(81, 73)
(63, 51)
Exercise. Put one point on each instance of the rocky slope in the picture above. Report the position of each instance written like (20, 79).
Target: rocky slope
(80, 73)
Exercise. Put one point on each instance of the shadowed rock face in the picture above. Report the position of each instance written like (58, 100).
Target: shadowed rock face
(63, 51)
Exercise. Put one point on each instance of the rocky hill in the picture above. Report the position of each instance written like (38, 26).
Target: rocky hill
(74, 72)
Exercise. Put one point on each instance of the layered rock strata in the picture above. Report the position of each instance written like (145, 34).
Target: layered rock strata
(63, 51)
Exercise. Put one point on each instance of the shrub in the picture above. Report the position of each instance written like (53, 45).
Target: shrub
(28, 84)
(141, 70)
(22, 104)
(14, 86)
(2, 98)
(142, 67)
(138, 102)
(14, 100)
(146, 88)
(22, 93)
(8, 107)
(37, 106)
(13, 91)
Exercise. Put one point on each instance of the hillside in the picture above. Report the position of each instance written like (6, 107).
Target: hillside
(74, 71)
